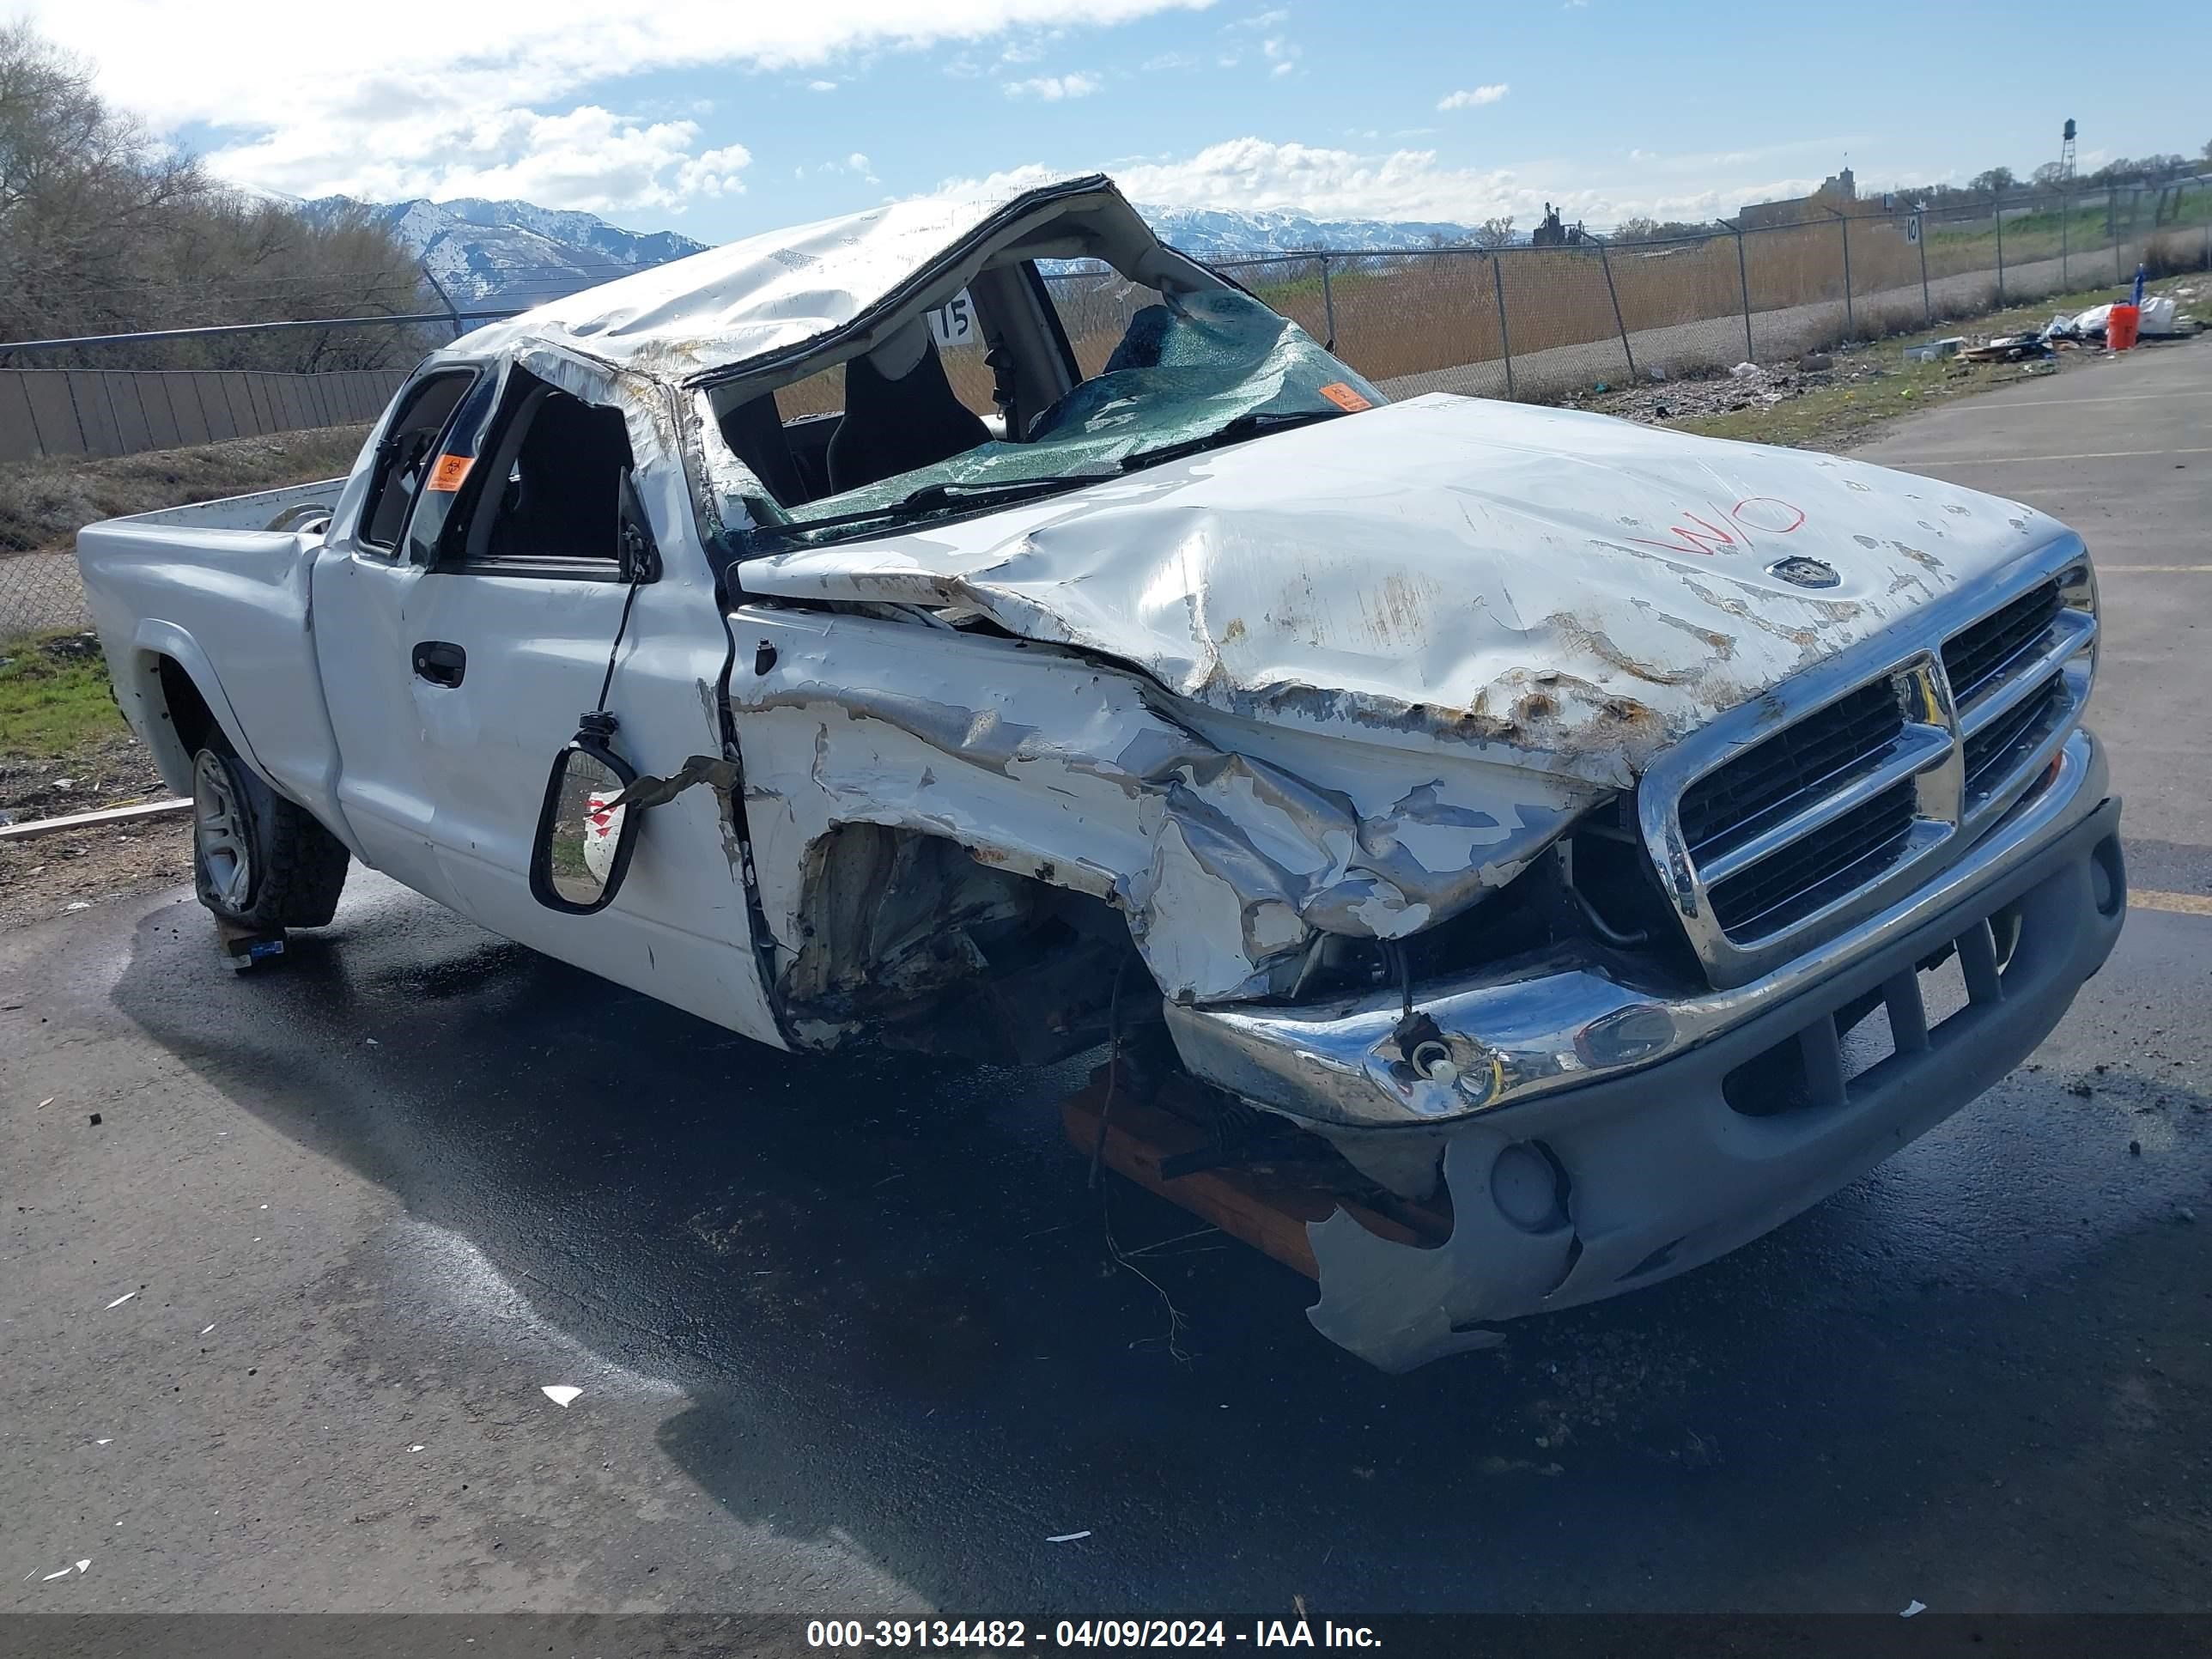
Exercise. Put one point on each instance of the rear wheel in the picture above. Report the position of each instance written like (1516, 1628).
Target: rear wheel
(258, 859)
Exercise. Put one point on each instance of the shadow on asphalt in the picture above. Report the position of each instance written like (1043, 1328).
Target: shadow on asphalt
(882, 1284)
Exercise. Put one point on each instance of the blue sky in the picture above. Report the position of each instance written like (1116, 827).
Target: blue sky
(719, 119)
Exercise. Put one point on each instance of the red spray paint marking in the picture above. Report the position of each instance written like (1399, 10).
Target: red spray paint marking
(1709, 538)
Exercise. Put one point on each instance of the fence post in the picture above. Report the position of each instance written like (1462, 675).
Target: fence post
(2112, 217)
(1327, 304)
(1851, 323)
(1626, 351)
(453, 316)
(1743, 278)
(1998, 209)
(1505, 333)
(1920, 242)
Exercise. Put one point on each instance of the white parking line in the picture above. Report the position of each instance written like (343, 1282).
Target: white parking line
(2044, 460)
(2120, 398)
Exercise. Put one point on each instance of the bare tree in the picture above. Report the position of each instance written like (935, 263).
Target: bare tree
(1495, 233)
(104, 230)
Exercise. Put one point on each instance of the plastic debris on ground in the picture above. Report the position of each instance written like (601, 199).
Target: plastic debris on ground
(121, 1300)
(1067, 1537)
(1913, 1607)
(561, 1393)
(74, 1567)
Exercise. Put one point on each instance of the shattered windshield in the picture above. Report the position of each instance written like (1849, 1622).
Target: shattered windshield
(1189, 369)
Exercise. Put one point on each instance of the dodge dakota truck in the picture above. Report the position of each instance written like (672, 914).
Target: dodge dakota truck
(1570, 848)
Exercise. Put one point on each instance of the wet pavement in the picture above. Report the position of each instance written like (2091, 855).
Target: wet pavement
(848, 1337)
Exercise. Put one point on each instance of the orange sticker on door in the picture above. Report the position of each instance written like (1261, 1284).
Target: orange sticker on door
(1344, 397)
(446, 476)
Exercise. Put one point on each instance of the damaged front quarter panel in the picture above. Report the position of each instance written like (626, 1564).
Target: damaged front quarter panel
(1227, 850)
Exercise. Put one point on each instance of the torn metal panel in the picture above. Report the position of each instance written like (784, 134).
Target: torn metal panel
(1551, 590)
(1224, 862)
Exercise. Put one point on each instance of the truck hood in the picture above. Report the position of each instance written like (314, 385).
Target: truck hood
(1560, 591)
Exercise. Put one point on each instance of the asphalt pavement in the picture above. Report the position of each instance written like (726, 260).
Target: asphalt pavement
(275, 1331)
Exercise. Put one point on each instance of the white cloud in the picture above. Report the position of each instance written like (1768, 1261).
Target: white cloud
(1263, 20)
(1169, 60)
(822, 86)
(521, 99)
(859, 166)
(1282, 69)
(1475, 99)
(1327, 183)
(1054, 87)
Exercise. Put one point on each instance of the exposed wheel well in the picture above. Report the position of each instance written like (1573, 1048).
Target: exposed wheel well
(187, 711)
(927, 946)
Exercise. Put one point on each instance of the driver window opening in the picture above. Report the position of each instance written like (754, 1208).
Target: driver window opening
(553, 490)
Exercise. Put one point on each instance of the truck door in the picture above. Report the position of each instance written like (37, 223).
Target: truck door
(507, 642)
(362, 585)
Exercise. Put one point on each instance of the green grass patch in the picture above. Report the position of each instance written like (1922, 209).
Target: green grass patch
(52, 705)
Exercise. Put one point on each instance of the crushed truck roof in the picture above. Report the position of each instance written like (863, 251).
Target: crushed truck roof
(753, 303)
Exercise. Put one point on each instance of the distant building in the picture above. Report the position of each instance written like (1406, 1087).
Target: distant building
(1837, 194)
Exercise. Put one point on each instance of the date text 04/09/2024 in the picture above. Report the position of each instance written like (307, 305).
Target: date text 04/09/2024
(1008, 1634)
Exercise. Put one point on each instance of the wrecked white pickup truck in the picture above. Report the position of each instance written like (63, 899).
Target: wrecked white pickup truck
(1539, 835)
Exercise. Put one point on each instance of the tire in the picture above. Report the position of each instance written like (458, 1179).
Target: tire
(258, 861)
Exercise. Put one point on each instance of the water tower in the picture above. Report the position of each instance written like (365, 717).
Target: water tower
(2066, 153)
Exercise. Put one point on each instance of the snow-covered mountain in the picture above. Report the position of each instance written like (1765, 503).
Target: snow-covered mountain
(1222, 233)
(498, 254)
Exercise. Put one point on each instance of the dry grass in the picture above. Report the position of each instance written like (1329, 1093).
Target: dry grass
(43, 504)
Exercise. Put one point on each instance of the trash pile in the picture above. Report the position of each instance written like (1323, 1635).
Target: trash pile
(1746, 386)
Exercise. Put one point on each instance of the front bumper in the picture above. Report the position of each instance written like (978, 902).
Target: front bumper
(1605, 1179)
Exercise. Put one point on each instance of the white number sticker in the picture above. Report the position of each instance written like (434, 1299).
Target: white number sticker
(954, 323)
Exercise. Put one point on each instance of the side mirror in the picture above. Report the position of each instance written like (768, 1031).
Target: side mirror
(583, 844)
(635, 547)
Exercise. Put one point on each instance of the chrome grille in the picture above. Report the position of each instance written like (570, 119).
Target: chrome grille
(1727, 807)
(1975, 656)
(1990, 749)
(1848, 787)
(1805, 875)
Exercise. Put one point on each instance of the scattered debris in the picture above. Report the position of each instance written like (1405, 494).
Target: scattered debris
(1067, 1537)
(561, 1393)
(2006, 348)
(1747, 372)
(77, 1566)
(1911, 1607)
(202, 1333)
(121, 1300)
(94, 1117)
(48, 1101)
(110, 1441)
(415, 1448)
(1936, 350)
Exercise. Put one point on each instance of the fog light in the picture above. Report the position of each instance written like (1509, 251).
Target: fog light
(1625, 1035)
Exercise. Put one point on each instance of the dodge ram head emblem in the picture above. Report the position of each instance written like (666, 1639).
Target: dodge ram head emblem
(1804, 572)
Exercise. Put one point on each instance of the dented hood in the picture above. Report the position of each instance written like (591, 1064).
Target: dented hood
(1563, 591)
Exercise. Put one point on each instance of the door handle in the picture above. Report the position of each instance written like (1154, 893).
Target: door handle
(441, 662)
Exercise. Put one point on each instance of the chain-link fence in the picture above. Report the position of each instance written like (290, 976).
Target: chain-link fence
(1533, 323)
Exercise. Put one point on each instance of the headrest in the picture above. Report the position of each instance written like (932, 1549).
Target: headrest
(896, 358)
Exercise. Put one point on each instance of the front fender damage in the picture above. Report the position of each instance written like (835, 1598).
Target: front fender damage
(1224, 862)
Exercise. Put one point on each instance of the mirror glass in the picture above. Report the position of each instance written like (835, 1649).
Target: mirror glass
(583, 830)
